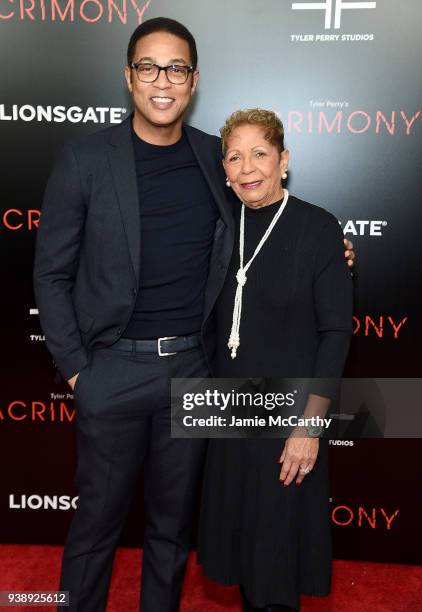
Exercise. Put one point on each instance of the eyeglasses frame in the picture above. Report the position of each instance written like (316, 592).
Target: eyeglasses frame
(135, 65)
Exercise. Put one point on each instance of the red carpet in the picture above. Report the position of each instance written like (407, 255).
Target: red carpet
(357, 586)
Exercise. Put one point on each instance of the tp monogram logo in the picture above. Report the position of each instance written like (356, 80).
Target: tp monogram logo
(327, 6)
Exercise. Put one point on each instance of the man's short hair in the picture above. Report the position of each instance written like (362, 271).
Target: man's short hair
(162, 24)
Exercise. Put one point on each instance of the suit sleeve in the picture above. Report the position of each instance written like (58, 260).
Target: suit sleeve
(333, 303)
(57, 249)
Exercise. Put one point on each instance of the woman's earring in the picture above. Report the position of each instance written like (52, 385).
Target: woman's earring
(284, 175)
(227, 182)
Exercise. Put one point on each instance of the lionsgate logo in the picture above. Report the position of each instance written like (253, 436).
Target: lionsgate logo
(332, 11)
(60, 114)
(42, 502)
(363, 227)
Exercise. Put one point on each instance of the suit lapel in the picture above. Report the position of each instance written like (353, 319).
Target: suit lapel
(122, 162)
(212, 170)
(224, 233)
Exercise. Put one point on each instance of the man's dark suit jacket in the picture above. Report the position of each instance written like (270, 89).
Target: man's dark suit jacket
(87, 258)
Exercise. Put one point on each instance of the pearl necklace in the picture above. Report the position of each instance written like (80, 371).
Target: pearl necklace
(234, 339)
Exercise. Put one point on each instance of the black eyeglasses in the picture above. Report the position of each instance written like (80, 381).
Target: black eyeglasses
(148, 73)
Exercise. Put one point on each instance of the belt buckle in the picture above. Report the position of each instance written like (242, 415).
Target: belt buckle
(160, 352)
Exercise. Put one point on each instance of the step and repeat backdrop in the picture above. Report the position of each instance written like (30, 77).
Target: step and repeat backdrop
(345, 78)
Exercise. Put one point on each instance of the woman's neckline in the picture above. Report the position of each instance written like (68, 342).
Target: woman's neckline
(270, 209)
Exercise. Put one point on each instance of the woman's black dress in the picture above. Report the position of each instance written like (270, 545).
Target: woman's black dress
(296, 322)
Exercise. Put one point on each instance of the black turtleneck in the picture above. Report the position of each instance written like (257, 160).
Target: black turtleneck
(297, 302)
(178, 216)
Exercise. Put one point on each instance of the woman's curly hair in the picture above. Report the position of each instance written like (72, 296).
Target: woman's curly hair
(268, 120)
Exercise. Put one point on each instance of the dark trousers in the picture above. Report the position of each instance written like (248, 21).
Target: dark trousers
(122, 404)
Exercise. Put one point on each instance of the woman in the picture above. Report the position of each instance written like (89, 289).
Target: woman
(285, 311)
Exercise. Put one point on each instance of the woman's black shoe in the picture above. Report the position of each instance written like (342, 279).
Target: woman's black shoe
(248, 607)
(246, 604)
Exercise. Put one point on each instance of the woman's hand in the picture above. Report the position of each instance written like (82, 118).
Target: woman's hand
(349, 252)
(298, 457)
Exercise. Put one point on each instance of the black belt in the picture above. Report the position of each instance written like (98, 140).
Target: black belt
(168, 345)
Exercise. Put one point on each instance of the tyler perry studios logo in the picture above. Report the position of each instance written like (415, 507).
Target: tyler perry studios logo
(36, 337)
(88, 11)
(332, 14)
(345, 443)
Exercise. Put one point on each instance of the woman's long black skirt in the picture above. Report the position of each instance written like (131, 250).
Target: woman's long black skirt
(254, 531)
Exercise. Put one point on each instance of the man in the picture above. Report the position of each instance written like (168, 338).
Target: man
(134, 243)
